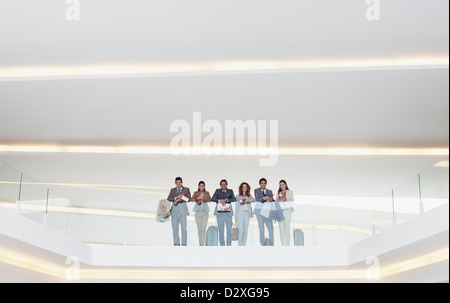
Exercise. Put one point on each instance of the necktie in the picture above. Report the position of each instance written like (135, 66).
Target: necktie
(179, 191)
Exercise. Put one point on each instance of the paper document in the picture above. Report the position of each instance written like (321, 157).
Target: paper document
(223, 208)
(286, 204)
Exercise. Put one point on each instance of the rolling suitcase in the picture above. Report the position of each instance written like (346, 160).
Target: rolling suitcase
(299, 238)
(212, 236)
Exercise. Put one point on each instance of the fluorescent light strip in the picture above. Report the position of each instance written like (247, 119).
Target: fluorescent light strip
(123, 190)
(28, 262)
(365, 151)
(285, 151)
(103, 186)
(424, 260)
(223, 274)
(32, 263)
(444, 164)
(97, 187)
(217, 67)
(83, 211)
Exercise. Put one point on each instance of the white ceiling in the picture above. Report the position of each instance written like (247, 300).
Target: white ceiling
(364, 108)
(142, 31)
(360, 108)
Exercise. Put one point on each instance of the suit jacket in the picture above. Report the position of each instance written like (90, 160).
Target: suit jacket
(181, 208)
(240, 209)
(259, 197)
(289, 198)
(220, 195)
(206, 198)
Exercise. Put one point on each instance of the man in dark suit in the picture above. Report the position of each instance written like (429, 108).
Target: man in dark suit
(180, 211)
(224, 196)
(264, 213)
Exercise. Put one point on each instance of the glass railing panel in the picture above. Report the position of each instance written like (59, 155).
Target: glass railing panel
(33, 199)
(324, 220)
(434, 185)
(97, 222)
(56, 212)
(382, 213)
(143, 229)
(407, 200)
(9, 186)
(329, 226)
(134, 224)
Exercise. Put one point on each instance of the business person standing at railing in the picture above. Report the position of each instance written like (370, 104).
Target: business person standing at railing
(224, 211)
(285, 196)
(201, 209)
(264, 212)
(243, 211)
(179, 195)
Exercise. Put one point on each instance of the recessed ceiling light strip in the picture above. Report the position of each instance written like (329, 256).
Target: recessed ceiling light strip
(287, 151)
(211, 68)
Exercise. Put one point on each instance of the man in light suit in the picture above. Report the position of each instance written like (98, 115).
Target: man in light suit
(262, 197)
(179, 211)
(224, 196)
